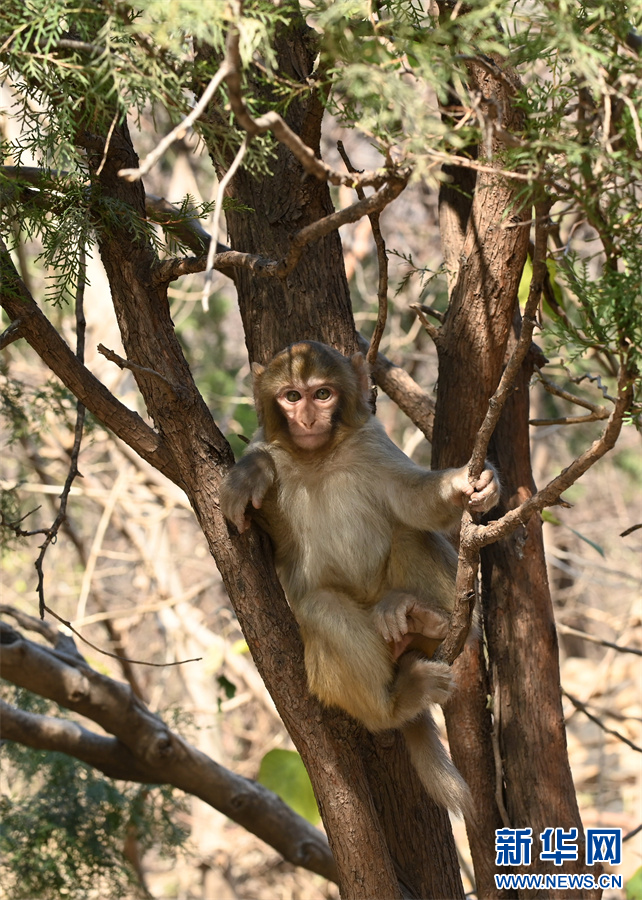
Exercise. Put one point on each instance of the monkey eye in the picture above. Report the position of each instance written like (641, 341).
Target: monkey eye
(323, 393)
(292, 396)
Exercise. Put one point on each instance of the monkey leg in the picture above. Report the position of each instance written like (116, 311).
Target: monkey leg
(349, 665)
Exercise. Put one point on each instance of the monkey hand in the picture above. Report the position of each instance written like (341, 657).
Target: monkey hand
(247, 483)
(398, 616)
(481, 495)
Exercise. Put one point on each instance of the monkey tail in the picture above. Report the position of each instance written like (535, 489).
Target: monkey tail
(436, 770)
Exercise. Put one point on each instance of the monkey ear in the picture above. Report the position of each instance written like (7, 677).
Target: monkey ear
(257, 370)
(362, 370)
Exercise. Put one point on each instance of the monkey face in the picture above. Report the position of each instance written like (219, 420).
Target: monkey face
(309, 408)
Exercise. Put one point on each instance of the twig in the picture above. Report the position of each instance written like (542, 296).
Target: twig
(273, 122)
(216, 218)
(177, 133)
(566, 629)
(134, 367)
(431, 329)
(597, 412)
(571, 420)
(431, 311)
(12, 333)
(52, 531)
(548, 496)
(630, 530)
(137, 662)
(582, 708)
(382, 261)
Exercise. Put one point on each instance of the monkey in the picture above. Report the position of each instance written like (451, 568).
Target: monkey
(359, 536)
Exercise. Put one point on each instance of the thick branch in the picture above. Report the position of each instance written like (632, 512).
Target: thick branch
(143, 748)
(403, 390)
(55, 353)
(169, 270)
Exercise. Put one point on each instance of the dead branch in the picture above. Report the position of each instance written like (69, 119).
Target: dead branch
(142, 748)
(589, 715)
(431, 330)
(566, 629)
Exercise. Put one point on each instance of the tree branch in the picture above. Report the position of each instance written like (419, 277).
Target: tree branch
(548, 496)
(142, 748)
(382, 262)
(55, 353)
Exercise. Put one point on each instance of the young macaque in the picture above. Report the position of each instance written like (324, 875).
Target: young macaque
(357, 533)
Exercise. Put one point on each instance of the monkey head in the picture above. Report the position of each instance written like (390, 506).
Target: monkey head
(310, 396)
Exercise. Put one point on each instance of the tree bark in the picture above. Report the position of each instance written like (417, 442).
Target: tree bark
(522, 671)
(314, 303)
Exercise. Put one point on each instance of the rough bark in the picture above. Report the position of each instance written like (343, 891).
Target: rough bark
(518, 617)
(522, 642)
(314, 303)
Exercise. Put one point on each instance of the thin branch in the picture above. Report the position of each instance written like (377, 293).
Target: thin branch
(179, 132)
(118, 656)
(583, 708)
(431, 311)
(566, 629)
(52, 532)
(571, 420)
(403, 390)
(11, 334)
(431, 329)
(382, 261)
(216, 218)
(273, 122)
(598, 412)
(134, 367)
(549, 495)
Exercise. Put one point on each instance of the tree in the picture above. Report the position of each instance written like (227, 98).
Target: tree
(527, 125)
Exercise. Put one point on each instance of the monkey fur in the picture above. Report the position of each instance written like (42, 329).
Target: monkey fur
(357, 530)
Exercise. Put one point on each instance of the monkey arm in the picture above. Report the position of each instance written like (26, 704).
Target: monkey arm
(429, 501)
(247, 482)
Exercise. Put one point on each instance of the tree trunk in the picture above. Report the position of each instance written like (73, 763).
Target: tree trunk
(314, 303)
(534, 787)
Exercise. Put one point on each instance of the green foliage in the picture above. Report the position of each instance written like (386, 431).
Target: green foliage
(283, 772)
(63, 825)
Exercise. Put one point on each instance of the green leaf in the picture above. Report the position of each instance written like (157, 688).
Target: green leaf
(283, 772)
(633, 887)
(553, 520)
